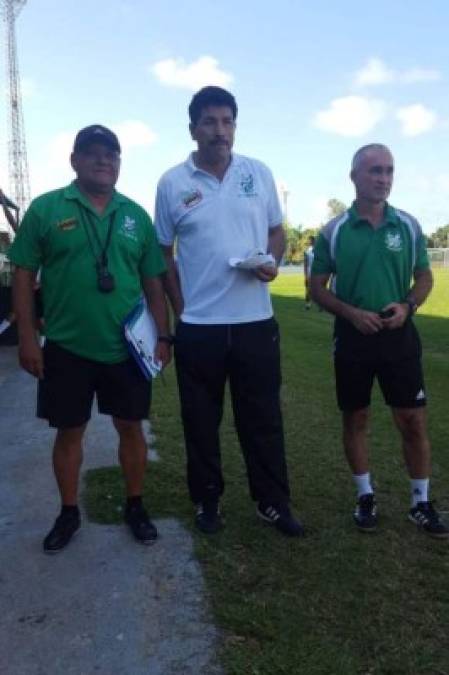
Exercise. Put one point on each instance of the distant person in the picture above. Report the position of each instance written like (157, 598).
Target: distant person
(308, 260)
(375, 250)
(97, 251)
(217, 205)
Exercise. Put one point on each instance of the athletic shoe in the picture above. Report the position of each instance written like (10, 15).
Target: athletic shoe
(365, 514)
(281, 518)
(208, 517)
(140, 525)
(66, 525)
(426, 518)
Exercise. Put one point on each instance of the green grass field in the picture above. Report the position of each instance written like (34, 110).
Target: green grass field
(338, 602)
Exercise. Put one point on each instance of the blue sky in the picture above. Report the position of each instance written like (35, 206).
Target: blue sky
(313, 80)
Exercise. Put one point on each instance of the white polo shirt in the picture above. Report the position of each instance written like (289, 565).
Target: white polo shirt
(213, 221)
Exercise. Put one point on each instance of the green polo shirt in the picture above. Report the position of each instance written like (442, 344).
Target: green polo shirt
(53, 237)
(372, 267)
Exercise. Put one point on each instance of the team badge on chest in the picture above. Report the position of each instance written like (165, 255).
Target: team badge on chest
(393, 241)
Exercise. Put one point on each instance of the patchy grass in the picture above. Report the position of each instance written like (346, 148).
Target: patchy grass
(337, 602)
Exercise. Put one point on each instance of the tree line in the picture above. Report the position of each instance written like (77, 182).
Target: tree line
(297, 237)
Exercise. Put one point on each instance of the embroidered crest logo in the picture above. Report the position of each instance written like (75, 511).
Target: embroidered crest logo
(129, 224)
(191, 198)
(393, 241)
(247, 185)
(128, 228)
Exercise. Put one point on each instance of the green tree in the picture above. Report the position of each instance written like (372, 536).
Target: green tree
(439, 238)
(335, 207)
(293, 238)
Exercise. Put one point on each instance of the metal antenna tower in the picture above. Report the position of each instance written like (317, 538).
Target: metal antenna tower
(19, 182)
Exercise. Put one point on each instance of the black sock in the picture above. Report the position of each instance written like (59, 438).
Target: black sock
(134, 502)
(70, 510)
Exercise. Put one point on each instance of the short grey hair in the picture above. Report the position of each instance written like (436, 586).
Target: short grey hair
(363, 150)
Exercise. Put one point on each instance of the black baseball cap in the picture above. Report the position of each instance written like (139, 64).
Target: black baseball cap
(96, 133)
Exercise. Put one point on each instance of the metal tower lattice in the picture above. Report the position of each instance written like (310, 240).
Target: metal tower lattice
(19, 182)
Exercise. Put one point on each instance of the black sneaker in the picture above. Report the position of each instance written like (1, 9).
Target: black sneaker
(426, 518)
(365, 514)
(66, 525)
(281, 518)
(140, 525)
(208, 517)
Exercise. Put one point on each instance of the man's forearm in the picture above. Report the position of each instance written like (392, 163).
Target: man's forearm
(154, 294)
(23, 300)
(171, 283)
(423, 284)
(329, 301)
(276, 243)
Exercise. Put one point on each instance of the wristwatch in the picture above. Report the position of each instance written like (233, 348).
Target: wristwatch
(412, 305)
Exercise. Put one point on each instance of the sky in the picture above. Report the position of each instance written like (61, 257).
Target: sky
(313, 81)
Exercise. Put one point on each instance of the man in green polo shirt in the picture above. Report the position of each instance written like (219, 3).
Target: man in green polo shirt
(373, 252)
(97, 252)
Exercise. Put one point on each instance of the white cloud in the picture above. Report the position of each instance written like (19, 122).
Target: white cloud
(420, 75)
(134, 133)
(416, 119)
(350, 115)
(204, 71)
(374, 72)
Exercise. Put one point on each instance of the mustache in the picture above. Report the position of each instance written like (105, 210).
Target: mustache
(220, 141)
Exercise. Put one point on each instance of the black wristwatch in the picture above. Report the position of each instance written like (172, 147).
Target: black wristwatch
(168, 339)
(412, 305)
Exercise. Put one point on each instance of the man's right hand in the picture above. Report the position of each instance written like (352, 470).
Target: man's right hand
(31, 357)
(365, 322)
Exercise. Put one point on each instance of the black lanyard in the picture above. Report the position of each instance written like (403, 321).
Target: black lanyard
(102, 259)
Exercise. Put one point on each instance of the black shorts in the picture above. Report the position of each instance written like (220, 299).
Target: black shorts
(66, 393)
(393, 357)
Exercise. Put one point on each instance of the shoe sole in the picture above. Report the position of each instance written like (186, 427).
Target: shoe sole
(429, 534)
(54, 551)
(207, 530)
(366, 530)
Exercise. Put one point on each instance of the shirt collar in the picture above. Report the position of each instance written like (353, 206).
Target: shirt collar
(192, 167)
(390, 216)
(73, 193)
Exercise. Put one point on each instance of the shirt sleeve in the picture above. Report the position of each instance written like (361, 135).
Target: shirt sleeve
(152, 263)
(163, 222)
(421, 257)
(273, 206)
(322, 261)
(26, 250)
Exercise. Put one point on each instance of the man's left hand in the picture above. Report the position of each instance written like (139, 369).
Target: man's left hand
(162, 353)
(399, 315)
(266, 273)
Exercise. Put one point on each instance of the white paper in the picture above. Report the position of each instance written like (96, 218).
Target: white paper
(253, 261)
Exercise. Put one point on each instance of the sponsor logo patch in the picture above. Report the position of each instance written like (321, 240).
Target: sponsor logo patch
(68, 224)
(191, 198)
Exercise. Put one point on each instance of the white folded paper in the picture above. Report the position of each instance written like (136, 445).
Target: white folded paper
(253, 261)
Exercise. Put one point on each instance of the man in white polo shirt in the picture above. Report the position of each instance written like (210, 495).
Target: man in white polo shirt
(217, 206)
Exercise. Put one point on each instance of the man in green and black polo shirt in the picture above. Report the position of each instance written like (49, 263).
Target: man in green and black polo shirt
(373, 252)
(97, 252)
